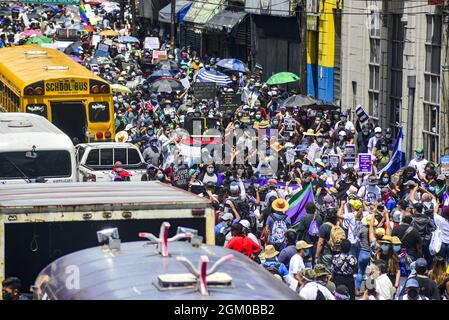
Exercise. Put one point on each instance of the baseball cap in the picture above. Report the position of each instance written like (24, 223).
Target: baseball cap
(378, 130)
(245, 224)
(421, 263)
(412, 283)
(419, 150)
(410, 183)
(227, 216)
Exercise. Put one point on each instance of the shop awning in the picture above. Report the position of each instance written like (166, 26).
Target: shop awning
(225, 19)
(182, 6)
(201, 11)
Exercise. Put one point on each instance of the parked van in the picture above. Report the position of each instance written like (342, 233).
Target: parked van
(96, 160)
(32, 149)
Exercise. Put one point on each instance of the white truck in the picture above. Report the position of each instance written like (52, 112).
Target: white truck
(96, 160)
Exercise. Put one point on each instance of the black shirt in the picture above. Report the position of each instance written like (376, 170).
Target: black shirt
(411, 241)
(428, 288)
(302, 228)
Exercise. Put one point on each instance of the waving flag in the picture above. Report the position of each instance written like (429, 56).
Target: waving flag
(297, 203)
(215, 76)
(397, 160)
(84, 19)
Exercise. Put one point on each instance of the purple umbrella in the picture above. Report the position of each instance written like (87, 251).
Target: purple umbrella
(75, 58)
(19, 8)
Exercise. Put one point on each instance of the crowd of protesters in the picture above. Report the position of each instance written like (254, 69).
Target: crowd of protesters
(365, 236)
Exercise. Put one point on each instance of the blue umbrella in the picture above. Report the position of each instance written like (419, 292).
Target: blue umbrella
(233, 64)
(215, 76)
(159, 74)
(128, 39)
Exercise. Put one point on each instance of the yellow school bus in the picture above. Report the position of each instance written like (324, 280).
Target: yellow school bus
(49, 83)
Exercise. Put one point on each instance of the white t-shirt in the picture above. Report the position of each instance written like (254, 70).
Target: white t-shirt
(296, 265)
(384, 287)
(310, 290)
(420, 164)
(254, 238)
(443, 225)
(405, 297)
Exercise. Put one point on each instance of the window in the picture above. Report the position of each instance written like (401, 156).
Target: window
(431, 103)
(375, 50)
(47, 164)
(106, 157)
(374, 104)
(120, 155)
(374, 65)
(98, 112)
(133, 156)
(93, 159)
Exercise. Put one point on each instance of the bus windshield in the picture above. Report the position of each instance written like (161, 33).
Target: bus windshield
(46, 164)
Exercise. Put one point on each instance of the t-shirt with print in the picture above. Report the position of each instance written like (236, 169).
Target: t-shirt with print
(325, 233)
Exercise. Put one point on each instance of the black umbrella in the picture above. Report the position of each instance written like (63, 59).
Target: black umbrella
(167, 65)
(166, 85)
(73, 47)
(325, 106)
(299, 100)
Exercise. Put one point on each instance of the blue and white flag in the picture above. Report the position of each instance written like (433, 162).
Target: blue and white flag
(397, 160)
(215, 76)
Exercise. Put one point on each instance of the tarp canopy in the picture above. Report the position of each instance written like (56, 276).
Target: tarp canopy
(201, 12)
(182, 6)
(225, 19)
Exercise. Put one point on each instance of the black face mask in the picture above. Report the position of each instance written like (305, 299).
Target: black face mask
(8, 295)
(412, 294)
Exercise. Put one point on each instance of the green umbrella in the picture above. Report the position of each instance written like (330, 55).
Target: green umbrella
(39, 40)
(282, 77)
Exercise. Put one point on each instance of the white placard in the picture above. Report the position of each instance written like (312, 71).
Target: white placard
(151, 43)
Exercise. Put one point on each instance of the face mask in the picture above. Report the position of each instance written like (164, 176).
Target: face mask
(384, 149)
(388, 136)
(258, 117)
(341, 138)
(325, 161)
(210, 170)
(418, 156)
(275, 123)
(384, 247)
(385, 180)
(431, 189)
(150, 132)
(7, 295)
(365, 132)
(397, 248)
(319, 140)
(160, 176)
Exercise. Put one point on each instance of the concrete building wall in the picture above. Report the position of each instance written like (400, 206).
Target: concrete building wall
(403, 27)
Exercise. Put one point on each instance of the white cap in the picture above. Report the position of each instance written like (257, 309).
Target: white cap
(227, 216)
(245, 223)
(378, 129)
(342, 133)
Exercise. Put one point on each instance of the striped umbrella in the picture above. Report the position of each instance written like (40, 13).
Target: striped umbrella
(215, 76)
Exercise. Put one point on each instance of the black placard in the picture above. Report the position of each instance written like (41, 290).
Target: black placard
(230, 101)
(290, 124)
(181, 176)
(204, 90)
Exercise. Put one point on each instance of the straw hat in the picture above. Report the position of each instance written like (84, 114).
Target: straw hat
(380, 232)
(269, 252)
(395, 240)
(280, 205)
(121, 136)
(277, 146)
(320, 270)
(386, 239)
(366, 220)
(310, 132)
(261, 124)
(333, 190)
(302, 245)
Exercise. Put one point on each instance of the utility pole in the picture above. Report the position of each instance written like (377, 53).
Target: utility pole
(133, 17)
(301, 15)
(122, 11)
(173, 22)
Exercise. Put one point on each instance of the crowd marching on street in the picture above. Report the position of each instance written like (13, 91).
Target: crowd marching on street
(328, 223)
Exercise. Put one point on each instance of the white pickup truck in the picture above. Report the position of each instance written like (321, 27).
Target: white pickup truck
(96, 160)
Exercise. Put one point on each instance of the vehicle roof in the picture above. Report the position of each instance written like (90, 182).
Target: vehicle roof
(20, 131)
(27, 69)
(62, 197)
(107, 145)
(130, 274)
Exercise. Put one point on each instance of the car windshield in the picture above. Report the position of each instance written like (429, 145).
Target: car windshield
(47, 164)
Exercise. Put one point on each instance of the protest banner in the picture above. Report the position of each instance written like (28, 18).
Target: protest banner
(334, 160)
(204, 90)
(361, 113)
(159, 55)
(349, 154)
(181, 176)
(229, 101)
(365, 165)
(444, 165)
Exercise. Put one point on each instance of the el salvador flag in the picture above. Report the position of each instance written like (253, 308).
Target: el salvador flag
(397, 160)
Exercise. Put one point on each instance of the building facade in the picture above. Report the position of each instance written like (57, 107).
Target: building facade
(393, 62)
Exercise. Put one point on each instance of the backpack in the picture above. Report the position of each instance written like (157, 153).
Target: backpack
(337, 235)
(274, 269)
(424, 225)
(314, 230)
(242, 208)
(277, 235)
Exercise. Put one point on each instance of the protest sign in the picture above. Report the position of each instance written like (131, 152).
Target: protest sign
(108, 42)
(102, 50)
(365, 165)
(159, 55)
(229, 101)
(96, 39)
(361, 113)
(349, 154)
(312, 152)
(444, 165)
(290, 124)
(181, 176)
(334, 160)
(204, 90)
(151, 43)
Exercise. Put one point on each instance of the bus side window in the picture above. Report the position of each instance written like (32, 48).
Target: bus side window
(93, 159)
(106, 157)
(133, 156)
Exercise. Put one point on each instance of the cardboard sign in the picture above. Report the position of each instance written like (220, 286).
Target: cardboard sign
(204, 90)
(290, 124)
(181, 176)
(151, 43)
(361, 113)
(229, 101)
(365, 165)
(349, 154)
(334, 160)
(444, 165)
(159, 55)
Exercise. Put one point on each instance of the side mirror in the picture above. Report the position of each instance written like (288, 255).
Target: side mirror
(31, 155)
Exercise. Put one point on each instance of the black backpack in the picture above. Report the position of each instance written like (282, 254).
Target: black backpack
(424, 224)
(242, 208)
